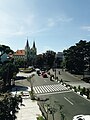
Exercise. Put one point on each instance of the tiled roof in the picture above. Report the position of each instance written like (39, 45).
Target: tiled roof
(20, 52)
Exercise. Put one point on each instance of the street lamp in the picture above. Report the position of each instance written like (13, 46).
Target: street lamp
(55, 64)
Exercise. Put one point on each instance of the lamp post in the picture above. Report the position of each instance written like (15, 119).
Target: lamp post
(55, 64)
(55, 73)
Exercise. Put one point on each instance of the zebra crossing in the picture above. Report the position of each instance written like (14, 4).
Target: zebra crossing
(49, 88)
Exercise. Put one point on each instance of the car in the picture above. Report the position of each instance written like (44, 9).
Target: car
(43, 72)
(81, 117)
(45, 75)
(25, 94)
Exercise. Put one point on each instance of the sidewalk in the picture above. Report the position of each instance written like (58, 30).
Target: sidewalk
(29, 110)
(71, 76)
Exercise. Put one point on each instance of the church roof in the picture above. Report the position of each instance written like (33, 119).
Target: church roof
(20, 52)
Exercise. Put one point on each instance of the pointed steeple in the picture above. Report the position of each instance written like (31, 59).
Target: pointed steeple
(34, 44)
(27, 43)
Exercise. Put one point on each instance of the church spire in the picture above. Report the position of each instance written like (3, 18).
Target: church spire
(34, 44)
(27, 43)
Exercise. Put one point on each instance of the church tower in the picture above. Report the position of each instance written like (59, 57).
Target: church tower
(27, 51)
(34, 49)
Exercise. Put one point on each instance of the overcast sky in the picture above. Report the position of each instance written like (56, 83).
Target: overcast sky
(53, 24)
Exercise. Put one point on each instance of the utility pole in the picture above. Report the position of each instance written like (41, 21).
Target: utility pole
(55, 73)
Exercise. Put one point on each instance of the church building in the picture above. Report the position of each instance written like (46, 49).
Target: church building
(28, 54)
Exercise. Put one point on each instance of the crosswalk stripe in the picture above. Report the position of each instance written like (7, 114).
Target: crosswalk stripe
(58, 88)
(49, 88)
(42, 89)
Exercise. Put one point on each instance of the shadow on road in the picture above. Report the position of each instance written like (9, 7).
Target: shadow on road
(20, 78)
(19, 88)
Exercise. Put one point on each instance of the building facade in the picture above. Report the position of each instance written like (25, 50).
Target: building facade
(28, 54)
(59, 58)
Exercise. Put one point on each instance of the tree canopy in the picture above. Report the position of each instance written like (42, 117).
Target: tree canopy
(75, 56)
(5, 49)
(46, 59)
(8, 69)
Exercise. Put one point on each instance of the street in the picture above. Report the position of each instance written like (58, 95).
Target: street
(73, 104)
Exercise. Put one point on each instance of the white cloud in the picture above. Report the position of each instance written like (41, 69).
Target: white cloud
(51, 22)
(18, 25)
(15, 25)
(86, 28)
(64, 19)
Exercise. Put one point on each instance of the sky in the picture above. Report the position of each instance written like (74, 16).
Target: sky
(52, 24)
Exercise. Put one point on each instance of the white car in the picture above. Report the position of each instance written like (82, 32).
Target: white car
(81, 117)
(26, 94)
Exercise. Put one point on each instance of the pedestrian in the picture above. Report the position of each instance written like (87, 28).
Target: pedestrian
(16, 90)
(20, 99)
(59, 72)
(61, 80)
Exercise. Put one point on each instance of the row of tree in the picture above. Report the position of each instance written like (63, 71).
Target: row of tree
(44, 60)
(8, 69)
(77, 57)
(9, 106)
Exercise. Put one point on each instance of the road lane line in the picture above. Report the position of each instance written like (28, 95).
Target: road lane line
(44, 80)
(68, 100)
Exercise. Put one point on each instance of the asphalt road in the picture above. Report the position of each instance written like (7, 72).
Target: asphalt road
(74, 104)
(66, 76)
(39, 80)
(74, 80)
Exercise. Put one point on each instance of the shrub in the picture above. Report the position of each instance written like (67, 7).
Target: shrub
(40, 118)
(75, 89)
(32, 95)
(83, 90)
(79, 87)
(87, 92)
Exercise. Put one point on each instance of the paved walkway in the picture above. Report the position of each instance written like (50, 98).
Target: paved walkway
(29, 110)
(71, 76)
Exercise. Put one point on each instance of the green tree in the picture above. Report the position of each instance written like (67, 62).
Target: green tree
(20, 63)
(31, 80)
(49, 58)
(75, 57)
(8, 107)
(5, 49)
(39, 61)
(8, 69)
(7, 72)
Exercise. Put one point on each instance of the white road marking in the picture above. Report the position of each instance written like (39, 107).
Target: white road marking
(53, 93)
(68, 100)
(44, 80)
(49, 88)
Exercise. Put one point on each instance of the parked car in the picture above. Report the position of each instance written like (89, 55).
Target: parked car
(25, 94)
(38, 71)
(45, 75)
(43, 72)
(81, 117)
